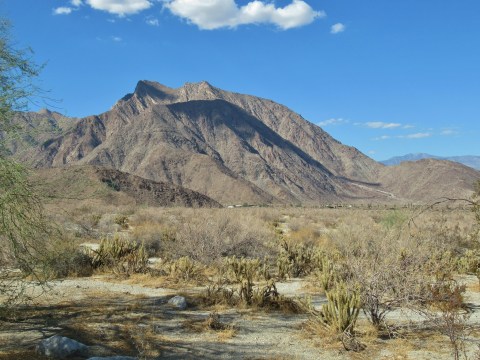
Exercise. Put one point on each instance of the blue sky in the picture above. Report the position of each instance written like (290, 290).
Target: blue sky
(388, 77)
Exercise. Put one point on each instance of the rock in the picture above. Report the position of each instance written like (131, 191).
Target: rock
(60, 347)
(113, 358)
(179, 302)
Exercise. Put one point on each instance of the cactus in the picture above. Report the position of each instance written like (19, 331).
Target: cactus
(120, 255)
(328, 276)
(298, 259)
(243, 271)
(342, 309)
(183, 268)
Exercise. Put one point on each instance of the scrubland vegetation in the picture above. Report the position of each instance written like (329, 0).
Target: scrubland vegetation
(380, 273)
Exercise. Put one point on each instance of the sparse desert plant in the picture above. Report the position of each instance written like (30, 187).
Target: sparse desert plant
(448, 313)
(342, 309)
(243, 271)
(120, 255)
(295, 260)
(184, 269)
(218, 293)
(328, 275)
(207, 236)
(67, 259)
(389, 268)
(470, 261)
(121, 220)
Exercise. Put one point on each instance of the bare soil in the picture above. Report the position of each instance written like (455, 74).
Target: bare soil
(118, 318)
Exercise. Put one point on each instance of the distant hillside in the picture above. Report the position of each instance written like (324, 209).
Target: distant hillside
(114, 187)
(468, 160)
(233, 148)
(429, 179)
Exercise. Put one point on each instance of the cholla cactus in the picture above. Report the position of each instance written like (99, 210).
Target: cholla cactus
(470, 262)
(121, 255)
(183, 268)
(298, 259)
(328, 277)
(243, 271)
(341, 311)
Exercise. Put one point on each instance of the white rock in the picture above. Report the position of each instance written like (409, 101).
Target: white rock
(179, 302)
(61, 347)
(113, 358)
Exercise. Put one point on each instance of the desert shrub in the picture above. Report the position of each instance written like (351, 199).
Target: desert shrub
(208, 236)
(469, 263)
(120, 255)
(394, 218)
(389, 269)
(121, 220)
(67, 259)
(448, 313)
(155, 237)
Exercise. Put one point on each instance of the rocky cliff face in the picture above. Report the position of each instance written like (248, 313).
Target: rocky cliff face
(234, 148)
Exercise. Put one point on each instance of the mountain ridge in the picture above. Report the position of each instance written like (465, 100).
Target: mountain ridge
(234, 148)
(468, 160)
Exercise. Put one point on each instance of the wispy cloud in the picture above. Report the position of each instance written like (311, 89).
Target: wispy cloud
(383, 137)
(449, 132)
(76, 3)
(117, 38)
(419, 135)
(332, 121)
(152, 22)
(215, 14)
(337, 28)
(62, 10)
(382, 125)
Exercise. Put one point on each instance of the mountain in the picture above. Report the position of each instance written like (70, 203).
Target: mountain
(426, 180)
(34, 129)
(468, 160)
(111, 186)
(231, 147)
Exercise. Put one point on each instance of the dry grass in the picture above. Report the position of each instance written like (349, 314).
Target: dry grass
(126, 324)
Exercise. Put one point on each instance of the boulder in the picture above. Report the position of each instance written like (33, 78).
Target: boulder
(113, 358)
(60, 347)
(179, 302)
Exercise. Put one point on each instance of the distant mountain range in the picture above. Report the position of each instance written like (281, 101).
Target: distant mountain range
(231, 147)
(467, 160)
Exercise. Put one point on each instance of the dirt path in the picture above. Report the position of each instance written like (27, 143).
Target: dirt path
(126, 319)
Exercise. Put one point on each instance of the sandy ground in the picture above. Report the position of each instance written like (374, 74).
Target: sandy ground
(107, 315)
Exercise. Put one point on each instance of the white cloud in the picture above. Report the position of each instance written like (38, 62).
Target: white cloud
(383, 137)
(120, 7)
(408, 126)
(152, 22)
(337, 28)
(215, 14)
(332, 121)
(449, 132)
(76, 3)
(416, 136)
(62, 10)
(117, 38)
(382, 125)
